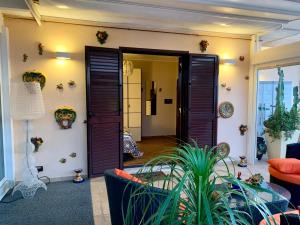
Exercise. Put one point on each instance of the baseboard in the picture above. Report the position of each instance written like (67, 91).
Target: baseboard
(69, 178)
(58, 179)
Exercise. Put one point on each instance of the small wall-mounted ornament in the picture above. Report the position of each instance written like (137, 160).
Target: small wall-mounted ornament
(246, 77)
(243, 128)
(242, 58)
(228, 88)
(203, 45)
(72, 83)
(35, 76)
(37, 142)
(223, 85)
(73, 155)
(25, 57)
(226, 109)
(65, 117)
(60, 87)
(63, 160)
(41, 48)
(102, 37)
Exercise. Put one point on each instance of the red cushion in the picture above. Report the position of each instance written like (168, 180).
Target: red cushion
(289, 165)
(125, 175)
(287, 177)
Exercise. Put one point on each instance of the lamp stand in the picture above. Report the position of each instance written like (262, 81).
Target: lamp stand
(30, 183)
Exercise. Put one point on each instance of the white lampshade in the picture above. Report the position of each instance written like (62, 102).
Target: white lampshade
(26, 101)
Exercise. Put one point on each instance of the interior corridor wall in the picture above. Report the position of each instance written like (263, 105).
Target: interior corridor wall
(165, 75)
(25, 35)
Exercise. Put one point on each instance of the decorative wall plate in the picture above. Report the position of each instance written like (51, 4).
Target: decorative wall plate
(226, 109)
(65, 117)
(35, 76)
(224, 149)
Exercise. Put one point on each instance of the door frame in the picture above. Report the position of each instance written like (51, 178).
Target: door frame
(183, 74)
(183, 83)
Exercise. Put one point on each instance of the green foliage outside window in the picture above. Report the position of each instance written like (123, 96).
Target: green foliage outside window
(283, 121)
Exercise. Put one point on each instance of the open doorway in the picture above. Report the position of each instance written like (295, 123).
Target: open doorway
(196, 102)
(268, 80)
(150, 106)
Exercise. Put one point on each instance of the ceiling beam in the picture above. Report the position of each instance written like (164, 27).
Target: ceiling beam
(34, 12)
(194, 11)
(245, 6)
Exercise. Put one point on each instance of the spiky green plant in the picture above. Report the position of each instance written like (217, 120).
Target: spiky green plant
(190, 194)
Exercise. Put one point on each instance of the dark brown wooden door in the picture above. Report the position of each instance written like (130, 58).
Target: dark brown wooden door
(104, 109)
(201, 111)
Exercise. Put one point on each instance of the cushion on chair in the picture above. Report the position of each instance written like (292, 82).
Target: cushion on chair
(291, 178)
(125, 175)
(290, 165)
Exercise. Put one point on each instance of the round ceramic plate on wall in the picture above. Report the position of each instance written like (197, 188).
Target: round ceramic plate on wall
(226, 109)
(224, 149)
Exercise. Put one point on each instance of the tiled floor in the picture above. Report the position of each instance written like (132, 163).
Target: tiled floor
(99, 195)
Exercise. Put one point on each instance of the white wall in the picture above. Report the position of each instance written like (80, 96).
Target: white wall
(24, 38)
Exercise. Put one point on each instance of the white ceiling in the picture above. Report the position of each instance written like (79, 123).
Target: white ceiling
(240, 18)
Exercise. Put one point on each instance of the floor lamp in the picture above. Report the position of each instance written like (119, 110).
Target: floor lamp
(27, 104)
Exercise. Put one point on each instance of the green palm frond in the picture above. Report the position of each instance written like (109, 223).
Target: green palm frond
(189, 191)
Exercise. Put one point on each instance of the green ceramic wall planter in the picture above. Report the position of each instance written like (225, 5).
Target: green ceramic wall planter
(65, 117)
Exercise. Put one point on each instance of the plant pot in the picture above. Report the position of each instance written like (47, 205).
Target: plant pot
(277, 147)
(259, 156)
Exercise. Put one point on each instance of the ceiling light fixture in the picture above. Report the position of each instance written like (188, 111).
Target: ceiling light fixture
(223, 24)
(62, 6)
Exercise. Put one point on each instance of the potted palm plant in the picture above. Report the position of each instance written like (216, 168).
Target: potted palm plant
(193, 192)
(282, 127)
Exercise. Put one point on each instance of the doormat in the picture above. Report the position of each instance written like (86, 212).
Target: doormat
(154, 176)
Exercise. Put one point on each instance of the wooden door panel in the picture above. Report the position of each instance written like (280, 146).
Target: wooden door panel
(202, 99)
(104, 109)
(103, 137)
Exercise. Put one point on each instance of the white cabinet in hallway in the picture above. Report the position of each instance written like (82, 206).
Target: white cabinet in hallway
(132, 103)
